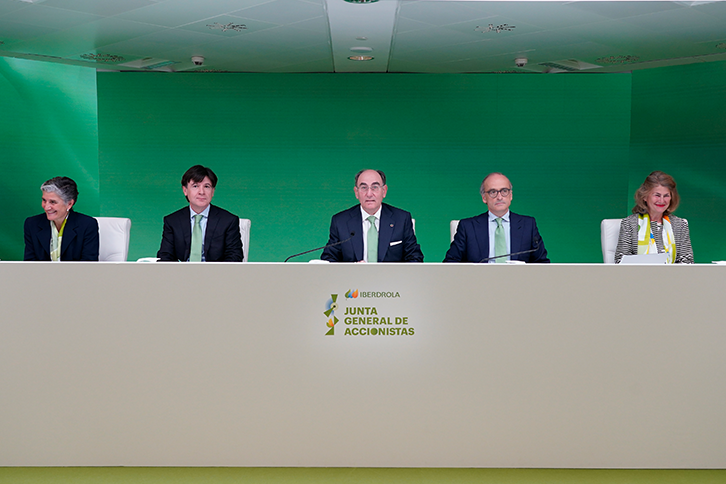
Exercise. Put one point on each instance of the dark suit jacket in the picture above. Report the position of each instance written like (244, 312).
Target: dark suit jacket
(221, 240)
(396, 240)
(471, 242)
(80, 238)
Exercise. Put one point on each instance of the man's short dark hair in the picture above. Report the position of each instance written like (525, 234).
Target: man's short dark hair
(380, 172)
(197, 173)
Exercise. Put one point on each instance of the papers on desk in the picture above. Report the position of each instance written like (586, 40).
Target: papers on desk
(644, 259)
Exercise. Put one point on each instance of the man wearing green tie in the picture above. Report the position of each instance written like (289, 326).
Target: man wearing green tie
(372, 231)
(497, 235)
(200, 232)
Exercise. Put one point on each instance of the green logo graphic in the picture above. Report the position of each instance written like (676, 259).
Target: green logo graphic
(331, 306)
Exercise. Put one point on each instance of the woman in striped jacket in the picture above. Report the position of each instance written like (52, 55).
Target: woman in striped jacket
(653, 228)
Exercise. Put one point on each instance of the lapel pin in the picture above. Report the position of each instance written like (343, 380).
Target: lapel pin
(391, 225)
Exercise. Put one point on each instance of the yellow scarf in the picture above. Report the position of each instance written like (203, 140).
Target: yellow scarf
(646, 239)
(56, 240)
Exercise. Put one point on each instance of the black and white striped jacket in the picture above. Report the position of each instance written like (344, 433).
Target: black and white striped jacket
(628, 238)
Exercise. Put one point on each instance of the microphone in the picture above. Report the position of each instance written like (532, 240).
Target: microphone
(536, 247)
(352, 234)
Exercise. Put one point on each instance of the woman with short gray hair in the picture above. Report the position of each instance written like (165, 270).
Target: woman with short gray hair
(60, 233)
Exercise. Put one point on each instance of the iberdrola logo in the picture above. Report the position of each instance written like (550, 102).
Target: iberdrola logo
(331, 306)
(351, 295)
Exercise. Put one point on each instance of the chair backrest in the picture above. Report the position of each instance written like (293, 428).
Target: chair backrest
(113, 234)
(244, 233)
(609, 232)
(453, 225)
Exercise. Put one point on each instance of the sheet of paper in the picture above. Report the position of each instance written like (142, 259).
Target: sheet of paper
(644, 259)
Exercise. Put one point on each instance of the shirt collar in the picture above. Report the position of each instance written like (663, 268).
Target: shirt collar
(204, 213)
(493, 218)
(365, 214)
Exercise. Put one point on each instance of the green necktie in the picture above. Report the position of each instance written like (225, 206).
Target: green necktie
(196, 253)
(372, 240)
(500, 241)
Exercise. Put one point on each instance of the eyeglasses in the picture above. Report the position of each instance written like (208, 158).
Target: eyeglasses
(374, 188)
(504, 191)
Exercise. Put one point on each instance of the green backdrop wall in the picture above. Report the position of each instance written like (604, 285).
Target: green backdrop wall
(679, 126)
(286, 148)
(48, 128)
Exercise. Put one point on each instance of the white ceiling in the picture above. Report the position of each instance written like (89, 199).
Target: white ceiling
(433, 36)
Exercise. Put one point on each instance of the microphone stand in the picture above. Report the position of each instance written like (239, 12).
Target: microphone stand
(485, 259)
(352, 234)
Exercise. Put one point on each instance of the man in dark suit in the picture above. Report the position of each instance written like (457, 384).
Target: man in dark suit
(60, 233)
(201, 231)
(498, 231)
(372, 231)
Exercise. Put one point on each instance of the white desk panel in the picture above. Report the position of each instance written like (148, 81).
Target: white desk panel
(130, 364)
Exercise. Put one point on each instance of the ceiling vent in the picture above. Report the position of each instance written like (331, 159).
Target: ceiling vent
(105, 58)
(495, 28)
(227, 27)
(619, 59)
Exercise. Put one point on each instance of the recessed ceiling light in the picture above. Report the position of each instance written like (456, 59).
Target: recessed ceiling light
(361, 1)
(361, 49)
(361, 38)
(360, 58)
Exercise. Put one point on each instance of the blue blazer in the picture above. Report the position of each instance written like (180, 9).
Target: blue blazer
(471, 242)
(80, 238)
(396, 240)
(221, 240)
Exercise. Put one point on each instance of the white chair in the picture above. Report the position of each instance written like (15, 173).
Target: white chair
(609, 232)
(453, 225)
(113, 235)
(244, 233)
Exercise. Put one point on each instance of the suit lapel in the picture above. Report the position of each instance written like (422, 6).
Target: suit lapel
(212, 222)
(69, 233)
(385, 232)
(43, 235)
(481, 231)
(355, 225)
(186, 228)
(515, 232)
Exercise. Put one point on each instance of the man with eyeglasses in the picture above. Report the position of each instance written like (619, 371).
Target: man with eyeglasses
(372, 231)
(497, 232)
